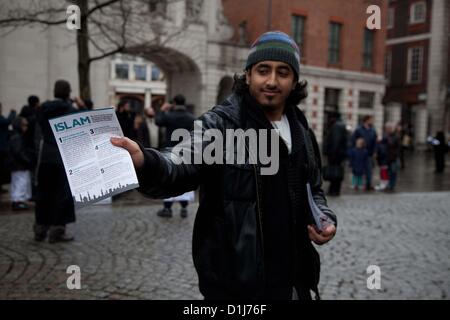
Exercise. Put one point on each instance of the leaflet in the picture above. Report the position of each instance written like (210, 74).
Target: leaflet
(96, 169)
(321, 220)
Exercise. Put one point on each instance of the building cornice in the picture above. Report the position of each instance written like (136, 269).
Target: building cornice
(419, 37)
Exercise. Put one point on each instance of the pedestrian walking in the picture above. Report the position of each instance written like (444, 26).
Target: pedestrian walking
(335, 149)
(393, 148)
(54, 202)
(440, 147)
(368, 133)
(5, 122)
(32, 135)
(22, 160)
(125, 117)
(172, 117)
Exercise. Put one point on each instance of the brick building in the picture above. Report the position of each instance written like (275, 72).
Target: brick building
(417, 68)
(341, 59)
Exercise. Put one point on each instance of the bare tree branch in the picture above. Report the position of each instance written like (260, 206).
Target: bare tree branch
(110, 53)
(101, 6)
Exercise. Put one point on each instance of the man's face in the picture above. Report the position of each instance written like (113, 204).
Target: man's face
(270, 83)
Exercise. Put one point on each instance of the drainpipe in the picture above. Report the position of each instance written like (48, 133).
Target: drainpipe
(269, 15)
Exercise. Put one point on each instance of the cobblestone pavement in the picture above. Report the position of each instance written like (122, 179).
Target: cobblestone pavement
(127, 252)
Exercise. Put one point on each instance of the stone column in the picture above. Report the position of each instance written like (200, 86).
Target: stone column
(148, 98)
(393, 112)
(437, 65)
(420, 124)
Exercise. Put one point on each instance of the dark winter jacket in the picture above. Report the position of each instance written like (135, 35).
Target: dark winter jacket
(393, 147)
(141, 135)
(177, 118)
(126, 121)
(382, 153)
(30, 113)
(21, 155)
(359, 159)
(4, 131)
(335, 145)
(369, 136)
(51, 109)
(241, 212)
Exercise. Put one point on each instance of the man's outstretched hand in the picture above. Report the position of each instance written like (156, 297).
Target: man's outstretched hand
(133, 148)
(323, 237)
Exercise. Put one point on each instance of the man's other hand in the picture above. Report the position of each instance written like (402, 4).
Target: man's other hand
(323, 237)
(133, 148)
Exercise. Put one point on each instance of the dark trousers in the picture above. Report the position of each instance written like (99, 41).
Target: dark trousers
(3, 172)
(54, 202)
(335, 187)
(439, 158)
(168, 204)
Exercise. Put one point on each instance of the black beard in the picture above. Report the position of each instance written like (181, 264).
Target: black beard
(269, 107)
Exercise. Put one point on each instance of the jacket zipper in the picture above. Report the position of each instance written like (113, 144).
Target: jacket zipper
(257, 202)
(259, 210)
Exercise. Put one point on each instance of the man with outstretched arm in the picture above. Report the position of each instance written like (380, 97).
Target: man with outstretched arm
(253, 232)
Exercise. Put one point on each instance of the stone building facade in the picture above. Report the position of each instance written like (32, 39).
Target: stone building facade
(341, 59)
(417, 66)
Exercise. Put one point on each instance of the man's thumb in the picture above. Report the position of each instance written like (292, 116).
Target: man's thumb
(119, 142)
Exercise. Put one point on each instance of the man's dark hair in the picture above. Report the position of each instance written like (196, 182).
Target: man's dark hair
(240, 87)
(62, 89)
(179, 100)
(33, 101)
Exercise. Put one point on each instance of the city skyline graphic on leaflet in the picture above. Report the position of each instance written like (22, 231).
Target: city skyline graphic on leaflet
(81, 200)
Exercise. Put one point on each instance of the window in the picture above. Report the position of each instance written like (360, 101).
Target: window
(140, 72)
(298, 30)
(332, 99)
(368, 49)
(417, 12)
(388, 66)
(334, 40)
(122, 71)
(391, 18)
(366, 99)
(157, 75)
(415, 59)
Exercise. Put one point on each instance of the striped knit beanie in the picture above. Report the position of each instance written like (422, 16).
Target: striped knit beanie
(275, 46)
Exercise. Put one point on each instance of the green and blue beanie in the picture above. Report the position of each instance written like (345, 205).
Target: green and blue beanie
(275, 46)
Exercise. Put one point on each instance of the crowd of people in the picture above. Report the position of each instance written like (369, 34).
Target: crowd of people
(364, 148)
(172, 115)
(31, 163)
